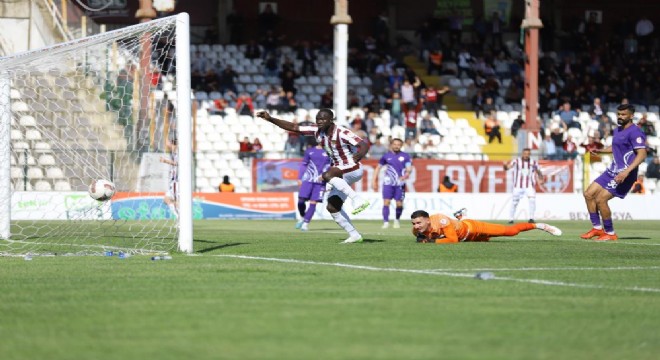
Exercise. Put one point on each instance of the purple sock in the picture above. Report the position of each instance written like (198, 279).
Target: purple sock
(301, 207)
(607, 224)
(310, 212)
(386, 213)
(595, 219)
(399, 211)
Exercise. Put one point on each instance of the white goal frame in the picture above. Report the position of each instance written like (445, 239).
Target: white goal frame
(184, 127)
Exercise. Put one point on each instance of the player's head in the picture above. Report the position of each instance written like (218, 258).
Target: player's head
(396, 144)
(624, 114)
(420, 220)
(526, 153)
(173, 143)
(325, 118)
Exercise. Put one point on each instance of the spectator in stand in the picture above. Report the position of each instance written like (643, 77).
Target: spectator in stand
(516, 125)
(492, 129)
(236, 24)
(291, 105)
(269, 43)
(411, 113)
(570, 149)
(271, 67)
(488, 107)
(447, 185)
(257, 148)
(374, 107)
(604, 126)
(478, 101)
(353, 100)
(211, 81)
(308, 56)
(226, 185)
(434, 62)
(647, 127)
(273, 99)
(464, 63)
(252, 50)
(567, 116)
(596, 110)
(218, 106)
(395, 106)
(593, 143)
(638, 186)
(427, 126)
(653, 169)
(327, 99)
(549, 148)
(245, 149)
(374, 134)
(513, 94)
(434, 98)
(377, 149)
(228, 80)
(288, 77)
(407, 93)
(244, 105)
(557, 136)
(496, 27)
(644, 31)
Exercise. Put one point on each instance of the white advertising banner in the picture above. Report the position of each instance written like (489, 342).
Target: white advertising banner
(497, 206)
(36, 205)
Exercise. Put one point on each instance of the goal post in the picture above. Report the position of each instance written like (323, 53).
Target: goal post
(100, 107)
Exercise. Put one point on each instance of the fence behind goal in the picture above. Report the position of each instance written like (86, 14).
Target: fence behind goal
(102, 107)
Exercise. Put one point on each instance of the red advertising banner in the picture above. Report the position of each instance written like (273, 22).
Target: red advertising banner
(470, 176)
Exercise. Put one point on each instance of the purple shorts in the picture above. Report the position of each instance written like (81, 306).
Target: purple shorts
(397, 193)
(606, 180)
(311, 191)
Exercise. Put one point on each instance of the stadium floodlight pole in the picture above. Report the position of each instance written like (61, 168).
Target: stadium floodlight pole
(5, 153)
(340, 20)
(531, 25)
(184, 131)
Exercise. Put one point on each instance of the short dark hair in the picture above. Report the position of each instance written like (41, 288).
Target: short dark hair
(329, 112)
(396, 139)
(419, 213)
(630, 108)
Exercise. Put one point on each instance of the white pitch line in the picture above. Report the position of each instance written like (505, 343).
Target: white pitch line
(570, 268)
(444, 273)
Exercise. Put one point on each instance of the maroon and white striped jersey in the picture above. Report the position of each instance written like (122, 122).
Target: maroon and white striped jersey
(524, 173)
(339, 145)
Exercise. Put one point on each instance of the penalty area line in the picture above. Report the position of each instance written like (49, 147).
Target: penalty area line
(568, 268)
(441, 273)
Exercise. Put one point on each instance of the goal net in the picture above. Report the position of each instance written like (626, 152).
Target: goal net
(106, 107)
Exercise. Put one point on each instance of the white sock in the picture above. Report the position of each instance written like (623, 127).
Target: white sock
(342, 186)
(514, 205)
(532, 207)
(343, 221)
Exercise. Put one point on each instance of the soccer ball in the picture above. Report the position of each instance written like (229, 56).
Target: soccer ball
(101, 190)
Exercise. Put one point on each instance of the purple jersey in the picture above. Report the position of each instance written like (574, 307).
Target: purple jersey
(395, 165)
(314, 163)
(624, 144)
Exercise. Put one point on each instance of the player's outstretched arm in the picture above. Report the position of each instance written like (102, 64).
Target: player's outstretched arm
(362, 149)
(282, 124)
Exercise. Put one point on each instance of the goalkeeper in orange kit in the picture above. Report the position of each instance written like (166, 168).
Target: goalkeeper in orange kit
(441, 229)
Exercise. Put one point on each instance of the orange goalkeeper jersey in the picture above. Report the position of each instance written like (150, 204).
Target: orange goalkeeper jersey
(444, 229)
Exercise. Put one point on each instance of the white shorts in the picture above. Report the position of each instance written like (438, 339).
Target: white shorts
(520, 192)
(173, 190)
(351, 178)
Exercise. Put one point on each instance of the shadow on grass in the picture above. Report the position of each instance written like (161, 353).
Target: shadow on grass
(372, 241)
(634, 238)
(222, 246)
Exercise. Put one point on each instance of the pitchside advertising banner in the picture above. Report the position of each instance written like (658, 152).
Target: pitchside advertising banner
(470, 176)
(141, 206)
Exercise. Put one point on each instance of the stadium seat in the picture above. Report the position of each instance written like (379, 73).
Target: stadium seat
(42, 185)
(62, 185)
(35, 173)
(46, 160)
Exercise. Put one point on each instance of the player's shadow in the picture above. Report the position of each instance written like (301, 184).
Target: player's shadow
(634, 238)
(213, 248)
(372, 241)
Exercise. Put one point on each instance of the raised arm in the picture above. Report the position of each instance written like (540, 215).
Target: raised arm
(282, 124)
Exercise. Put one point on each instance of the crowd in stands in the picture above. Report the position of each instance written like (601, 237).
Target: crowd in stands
(581, 76)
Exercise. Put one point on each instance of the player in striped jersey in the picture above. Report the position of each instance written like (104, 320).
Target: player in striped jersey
(525, 172)
(345, 149)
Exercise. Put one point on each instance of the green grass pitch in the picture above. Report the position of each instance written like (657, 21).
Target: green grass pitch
(263, 290)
